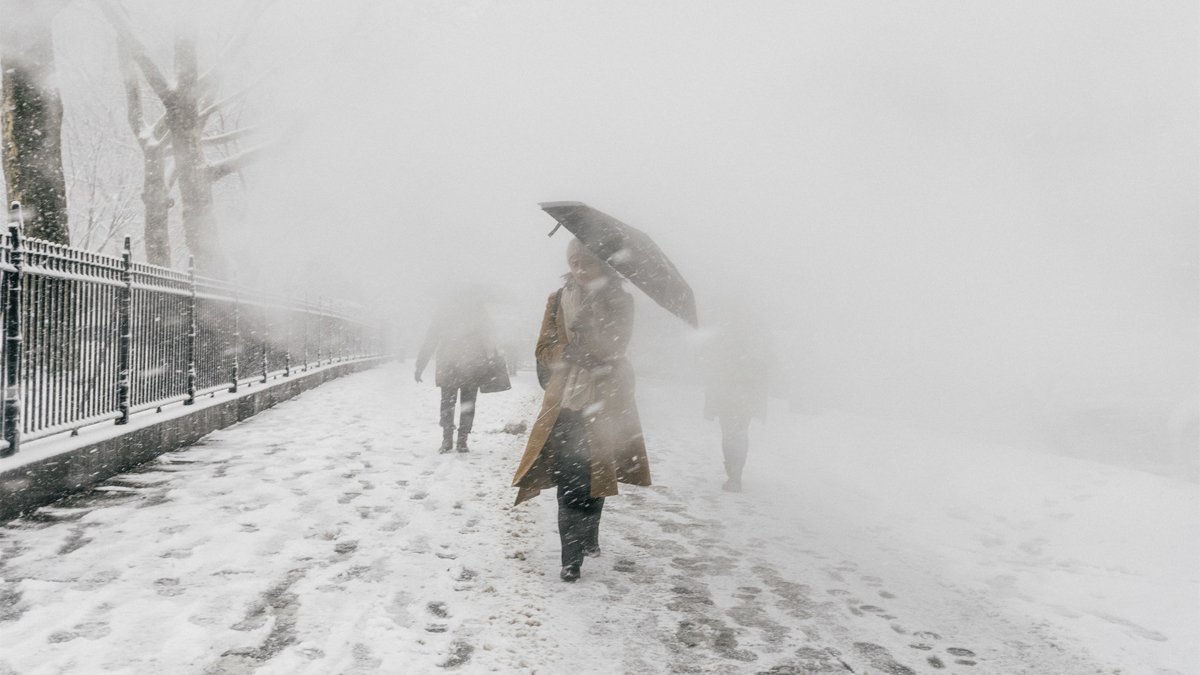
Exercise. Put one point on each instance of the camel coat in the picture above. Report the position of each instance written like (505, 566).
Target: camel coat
(615, 445)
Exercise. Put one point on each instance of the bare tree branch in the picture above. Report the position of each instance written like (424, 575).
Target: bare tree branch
(233, 163)
(211, 108)
(187, 69)
(228, 136)
(133, 95)
(245, 28)
(120, 23)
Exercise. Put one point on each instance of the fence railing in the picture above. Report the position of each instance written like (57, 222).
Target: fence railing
(90, 337)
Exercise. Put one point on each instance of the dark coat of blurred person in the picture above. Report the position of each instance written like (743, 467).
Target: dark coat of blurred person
(459, 340)
(738, 361)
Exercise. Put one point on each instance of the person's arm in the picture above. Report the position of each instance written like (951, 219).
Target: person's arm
(428, 347)
(549, 350)
(604, 333)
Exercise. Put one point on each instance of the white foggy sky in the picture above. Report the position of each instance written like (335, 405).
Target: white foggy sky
(915, 186)
(931, 198)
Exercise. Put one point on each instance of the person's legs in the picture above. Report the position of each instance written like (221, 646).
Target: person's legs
(735, 443)
(591, 544)
(578, 512)
(447, 418)
(466, 416)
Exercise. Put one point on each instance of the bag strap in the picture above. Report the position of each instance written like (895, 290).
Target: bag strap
(557, 304)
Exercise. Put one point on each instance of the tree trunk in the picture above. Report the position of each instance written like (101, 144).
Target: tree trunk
(191, 169)
(157, 203)
(155, 191)
(32, 129)
(195, 192)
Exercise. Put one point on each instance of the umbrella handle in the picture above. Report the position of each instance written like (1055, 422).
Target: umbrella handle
(556, 226)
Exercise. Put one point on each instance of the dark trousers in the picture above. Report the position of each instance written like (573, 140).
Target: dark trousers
(735, 443)
(578, 511)
(466, 413)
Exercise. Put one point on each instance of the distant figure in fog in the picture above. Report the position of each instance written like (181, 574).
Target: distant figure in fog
(587, 436)
(512, 356)
(738, 360)
(459, 339)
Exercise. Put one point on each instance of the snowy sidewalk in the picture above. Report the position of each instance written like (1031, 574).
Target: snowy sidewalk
(326, 535)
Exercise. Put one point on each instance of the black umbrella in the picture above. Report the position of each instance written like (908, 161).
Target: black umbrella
(629, 251)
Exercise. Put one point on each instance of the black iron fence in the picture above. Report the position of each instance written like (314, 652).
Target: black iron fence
(90, 338)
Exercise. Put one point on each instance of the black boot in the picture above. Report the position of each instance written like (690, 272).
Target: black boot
(569, 573)
(447, 440)
(591, 543)
(572, 529)
(461, 445)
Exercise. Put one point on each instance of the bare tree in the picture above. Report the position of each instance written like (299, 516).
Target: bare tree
(32, 117)
(102, 201)
(189, 104)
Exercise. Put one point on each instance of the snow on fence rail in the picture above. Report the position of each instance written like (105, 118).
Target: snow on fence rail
(90, 337)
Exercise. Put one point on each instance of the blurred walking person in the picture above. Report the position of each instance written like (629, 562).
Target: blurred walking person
(459, 339)
(738, 360)
(587, 437)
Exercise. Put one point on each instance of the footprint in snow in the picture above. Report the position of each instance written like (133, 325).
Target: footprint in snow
(966, 657)
(460, 654)
(879, 657)
(168, 587)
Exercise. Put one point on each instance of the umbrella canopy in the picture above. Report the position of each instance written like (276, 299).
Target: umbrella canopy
(629, 251)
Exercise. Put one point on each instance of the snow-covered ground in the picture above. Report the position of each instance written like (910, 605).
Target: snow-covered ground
(327, 536)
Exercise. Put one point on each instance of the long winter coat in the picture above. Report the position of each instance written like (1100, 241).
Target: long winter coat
(618, 453)
(459, 339)
(738, 363)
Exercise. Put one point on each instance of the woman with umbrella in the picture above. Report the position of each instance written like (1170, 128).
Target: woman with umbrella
(587, 437)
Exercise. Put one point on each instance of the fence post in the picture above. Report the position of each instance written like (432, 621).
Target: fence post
(14, 344)
(266, 336)
(125, 328)
(288, 343)
(191, 335)
(384, 343)
(320, 331)
(237, 344)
